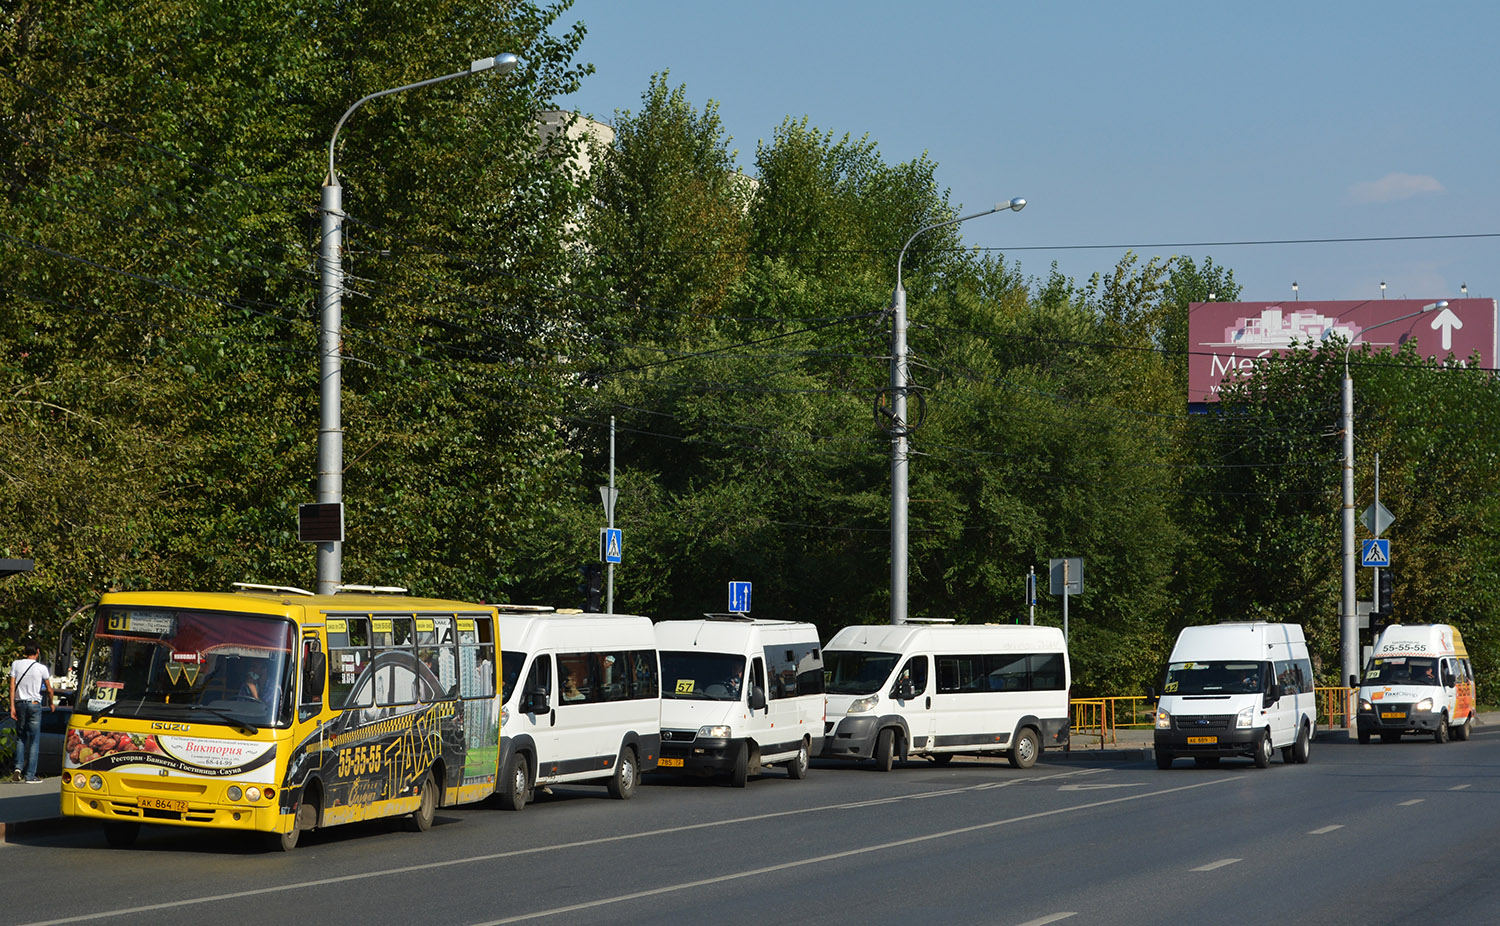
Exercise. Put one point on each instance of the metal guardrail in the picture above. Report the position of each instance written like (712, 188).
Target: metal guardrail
(1103, 717)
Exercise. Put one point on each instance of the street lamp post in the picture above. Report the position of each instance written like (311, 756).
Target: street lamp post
(1349, 621)
(330, 301)
(898, 427)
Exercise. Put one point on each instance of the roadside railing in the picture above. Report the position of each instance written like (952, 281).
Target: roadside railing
(1101, 718)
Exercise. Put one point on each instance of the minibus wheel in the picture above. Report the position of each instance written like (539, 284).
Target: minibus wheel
(1026, 748)
(1302, 749)
(622, 782)
(885, 750)
(741, 774)
(1364, 737)
(1164, 759)
(121, 835)
(941, 758)
(1461, 732)
(1440, 735)
(797, 768)
(516, 785)
(1263, 750)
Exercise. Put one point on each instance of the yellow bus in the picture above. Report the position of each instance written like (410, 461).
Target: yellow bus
(274, 710)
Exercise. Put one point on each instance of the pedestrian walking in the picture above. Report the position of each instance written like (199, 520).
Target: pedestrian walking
(29, 678)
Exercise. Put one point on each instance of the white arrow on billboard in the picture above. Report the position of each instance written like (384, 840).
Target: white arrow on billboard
(1447, 321)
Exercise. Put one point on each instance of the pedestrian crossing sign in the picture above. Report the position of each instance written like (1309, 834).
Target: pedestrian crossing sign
(1376, 553)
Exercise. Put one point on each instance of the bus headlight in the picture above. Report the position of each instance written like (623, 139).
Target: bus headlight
(863, 705)
(1365, 705)
(1245, 718)
(96, 782)
(252, 794)
(718, 731)
(1423, 705)
(1163, 720)
(80, 781)
(233, 793)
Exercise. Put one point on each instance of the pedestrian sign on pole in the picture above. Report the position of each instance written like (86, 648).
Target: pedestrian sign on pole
(1376, 553)
(611, 539)
(739, 597)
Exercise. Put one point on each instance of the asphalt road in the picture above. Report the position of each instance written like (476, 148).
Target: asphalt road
(1394, 833)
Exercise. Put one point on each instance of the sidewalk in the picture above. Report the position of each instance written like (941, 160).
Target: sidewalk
(29, 808)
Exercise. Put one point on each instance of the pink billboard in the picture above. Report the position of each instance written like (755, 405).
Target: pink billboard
(1228, 337)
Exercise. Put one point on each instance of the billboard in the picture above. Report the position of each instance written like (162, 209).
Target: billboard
(1226, 338)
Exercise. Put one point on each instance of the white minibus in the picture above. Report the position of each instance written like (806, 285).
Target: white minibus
(739, 694)
(1237, 689)
(1419, 680)
(942, 689)
(582, 701)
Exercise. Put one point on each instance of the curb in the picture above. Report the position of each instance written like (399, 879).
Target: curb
(20, 829)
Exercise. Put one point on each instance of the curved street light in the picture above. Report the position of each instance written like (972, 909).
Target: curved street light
(1349, 619)
(898, 427)
(330, 300)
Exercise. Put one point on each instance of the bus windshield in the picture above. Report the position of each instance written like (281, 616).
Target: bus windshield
(1401, 670)
(1213, 678)
(701, 676)
(856, 673)
(200, 666)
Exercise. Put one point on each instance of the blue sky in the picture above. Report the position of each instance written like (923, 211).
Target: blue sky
(1169, 127)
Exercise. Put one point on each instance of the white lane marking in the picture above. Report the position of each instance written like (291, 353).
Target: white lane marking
(1415, 800)
(1326, 829)
(1043, 921)
(1138, 784)
(1212, 865)
(599, 841)
(1458, 787)
(834, 856)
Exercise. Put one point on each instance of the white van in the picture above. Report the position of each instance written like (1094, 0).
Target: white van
(582, 701)
(939, 690)
(738, 694)
(1237, 689)
(1419, 680)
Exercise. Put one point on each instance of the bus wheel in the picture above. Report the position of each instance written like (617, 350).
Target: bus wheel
(1263, 750)
(515, 786)
(885, 750)
(283, 842)
(1461, 732)
(1364, 737)
(741, 773)
(622, 782)
(1026, 748)
(420, 820)
(941, 758)
(797, 768)
(1440, 735)
(121, 835)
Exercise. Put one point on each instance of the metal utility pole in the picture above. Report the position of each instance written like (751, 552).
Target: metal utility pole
(895, 422)
(330, 557)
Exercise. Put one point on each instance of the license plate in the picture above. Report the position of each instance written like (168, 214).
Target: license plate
(1392, 715)
(669, 763)
(1202, 740)
(162, 803)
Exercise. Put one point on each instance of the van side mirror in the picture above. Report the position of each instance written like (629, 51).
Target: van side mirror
(904, 690)
(1272, 695)
(535, 699)
(1448, 679)
(1150, 692)
(757, 698)
(1354, 681)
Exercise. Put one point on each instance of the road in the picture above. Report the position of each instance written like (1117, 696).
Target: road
(1376, 834)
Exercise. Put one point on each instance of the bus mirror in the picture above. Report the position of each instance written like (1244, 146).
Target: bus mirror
(312, 671)
(1448, 679)
(757, 698)
(1150, 691)
(1354, 681)
(904, 690)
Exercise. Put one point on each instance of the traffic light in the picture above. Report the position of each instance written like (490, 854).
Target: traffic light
(1383, 583)
(593, 579)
